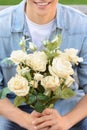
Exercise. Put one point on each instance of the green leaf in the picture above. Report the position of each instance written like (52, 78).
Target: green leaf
(31, 99)
(58, 92)
(50, 54)
(7, 61)
(42, 97)
(19, 100)
(52, 45)
(40, 88)
(4, 92)
(67, 93)
(35, 92)
(27, 75)
(39, 107)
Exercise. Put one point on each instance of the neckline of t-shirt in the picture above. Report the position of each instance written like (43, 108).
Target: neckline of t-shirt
(44, 26)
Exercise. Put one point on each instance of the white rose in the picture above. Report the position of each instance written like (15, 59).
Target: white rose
(18, 85)
(38, 76)
(61, 68)
(37, 61)
(50, 83)
(72, 55)
(18, 56)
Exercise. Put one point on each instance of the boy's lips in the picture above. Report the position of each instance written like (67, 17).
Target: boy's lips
(42, 3)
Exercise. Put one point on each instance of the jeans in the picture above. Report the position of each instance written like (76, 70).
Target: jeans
(82, 125)
(62, 106)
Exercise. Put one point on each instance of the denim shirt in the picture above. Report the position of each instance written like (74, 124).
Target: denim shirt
(70, 23)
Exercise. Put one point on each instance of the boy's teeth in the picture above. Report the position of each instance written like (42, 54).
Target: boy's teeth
(42, 3)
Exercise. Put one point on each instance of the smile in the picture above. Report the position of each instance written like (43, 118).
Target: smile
(42, 3)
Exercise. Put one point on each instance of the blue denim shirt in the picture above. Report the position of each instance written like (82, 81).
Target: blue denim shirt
(69, 22)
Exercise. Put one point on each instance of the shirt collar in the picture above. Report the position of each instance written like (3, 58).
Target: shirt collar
(61, 17)
(18, 18)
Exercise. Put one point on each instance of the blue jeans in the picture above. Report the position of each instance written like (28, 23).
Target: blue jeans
(63, 106)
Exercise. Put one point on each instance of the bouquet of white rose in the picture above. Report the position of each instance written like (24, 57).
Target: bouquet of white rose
(42, 77)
